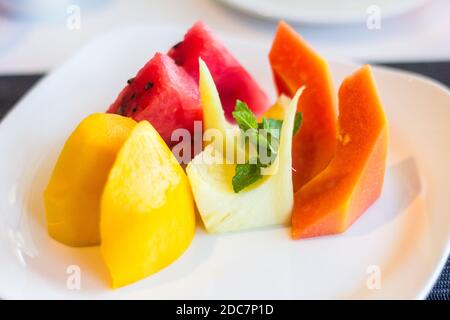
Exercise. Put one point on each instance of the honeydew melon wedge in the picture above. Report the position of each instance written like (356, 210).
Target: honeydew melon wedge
(224, 136)
(267, 202)
(213, 116)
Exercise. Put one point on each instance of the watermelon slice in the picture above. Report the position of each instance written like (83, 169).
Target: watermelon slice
(231, 79)
(164, 94)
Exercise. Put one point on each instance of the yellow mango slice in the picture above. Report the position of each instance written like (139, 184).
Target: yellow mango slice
(72, 197)
(147, 209)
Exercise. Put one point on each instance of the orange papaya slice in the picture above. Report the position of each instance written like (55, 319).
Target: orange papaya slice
(295, 64)
(334, 199)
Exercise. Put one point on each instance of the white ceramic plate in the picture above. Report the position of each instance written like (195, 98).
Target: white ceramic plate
(323, 11)
(405, 235)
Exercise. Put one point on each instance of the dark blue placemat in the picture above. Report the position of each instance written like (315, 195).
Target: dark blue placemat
(13, 87)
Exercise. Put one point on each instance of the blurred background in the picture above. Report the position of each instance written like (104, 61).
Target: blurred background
(37, 35)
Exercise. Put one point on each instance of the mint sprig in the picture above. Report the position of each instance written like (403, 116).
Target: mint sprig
(265, 134)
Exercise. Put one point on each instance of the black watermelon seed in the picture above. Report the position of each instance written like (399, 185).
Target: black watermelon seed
(130, 81)
(176, 45)
(149, 85)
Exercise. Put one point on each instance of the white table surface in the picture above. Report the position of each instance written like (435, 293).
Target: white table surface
(44, 41)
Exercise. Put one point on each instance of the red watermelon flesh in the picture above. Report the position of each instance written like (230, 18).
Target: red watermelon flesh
(232, 80)
(164, 94)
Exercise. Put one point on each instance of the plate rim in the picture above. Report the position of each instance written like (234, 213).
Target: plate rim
(255, 13)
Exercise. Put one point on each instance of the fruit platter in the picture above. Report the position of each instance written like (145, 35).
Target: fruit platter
(190, 171)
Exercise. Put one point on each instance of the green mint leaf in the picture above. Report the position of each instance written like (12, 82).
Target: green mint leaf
(265, 141)
(245, 175)
(297, 122)
(272, 126)
(269, 124)
(244, 117)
